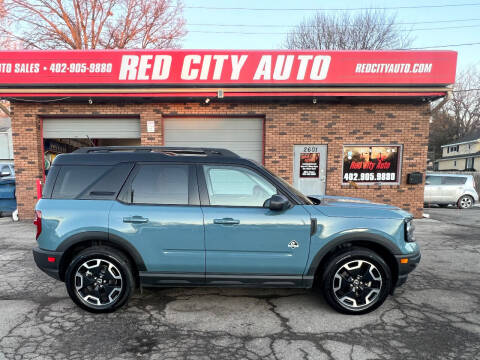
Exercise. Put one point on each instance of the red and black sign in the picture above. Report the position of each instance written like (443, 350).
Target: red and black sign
(309, 165)
(371, 164)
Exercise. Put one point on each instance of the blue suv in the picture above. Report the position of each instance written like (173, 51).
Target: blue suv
(116, 218)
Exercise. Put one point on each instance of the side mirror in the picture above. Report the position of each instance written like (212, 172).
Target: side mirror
(427, 182)
(5, 173)
(277, 203)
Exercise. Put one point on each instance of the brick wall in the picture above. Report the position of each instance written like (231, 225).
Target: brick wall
(332, 124)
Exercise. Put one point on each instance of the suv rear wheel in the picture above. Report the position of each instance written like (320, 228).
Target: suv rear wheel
(99, 279)
(465, 202)
(356, 281)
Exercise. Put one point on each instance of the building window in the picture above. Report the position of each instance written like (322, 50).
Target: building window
(469, 163)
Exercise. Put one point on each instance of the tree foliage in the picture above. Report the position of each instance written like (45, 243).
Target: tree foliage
(367, 30)
(92, 24)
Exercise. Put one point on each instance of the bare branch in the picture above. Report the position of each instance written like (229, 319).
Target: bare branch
(368, 30)
(84, 24)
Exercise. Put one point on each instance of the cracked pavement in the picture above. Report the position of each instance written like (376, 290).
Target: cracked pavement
(435, 315)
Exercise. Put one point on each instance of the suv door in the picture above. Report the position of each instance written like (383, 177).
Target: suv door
(246, 242)
(158, 212)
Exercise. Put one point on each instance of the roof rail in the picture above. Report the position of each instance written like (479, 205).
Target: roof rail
(173, 151)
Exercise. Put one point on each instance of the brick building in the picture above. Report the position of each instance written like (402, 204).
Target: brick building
(345, 130)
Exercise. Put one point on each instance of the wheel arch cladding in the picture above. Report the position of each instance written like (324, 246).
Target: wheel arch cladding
(78, 242)
(383, 247)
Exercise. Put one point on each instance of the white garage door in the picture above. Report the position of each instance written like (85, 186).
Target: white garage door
(243, 136)
(82, 128)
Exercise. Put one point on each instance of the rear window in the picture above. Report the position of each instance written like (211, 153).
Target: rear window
(454, 180)
(87, 182)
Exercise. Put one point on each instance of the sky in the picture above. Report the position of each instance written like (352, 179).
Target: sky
(212, 28)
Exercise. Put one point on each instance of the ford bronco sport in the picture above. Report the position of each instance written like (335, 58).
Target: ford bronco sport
(116, 218)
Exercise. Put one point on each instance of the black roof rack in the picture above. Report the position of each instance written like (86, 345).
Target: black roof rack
(171, 151)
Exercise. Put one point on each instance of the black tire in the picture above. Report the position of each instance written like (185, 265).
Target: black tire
(465, 202)
(119, 279)
(367, 285)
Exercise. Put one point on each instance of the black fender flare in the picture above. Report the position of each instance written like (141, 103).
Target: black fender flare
(358, 237)
(117, 241)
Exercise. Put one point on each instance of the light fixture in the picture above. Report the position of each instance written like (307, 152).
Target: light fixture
(207, 100)
(314, 100)
(90, 101)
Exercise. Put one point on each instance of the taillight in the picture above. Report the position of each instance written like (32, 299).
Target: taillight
(38, 222)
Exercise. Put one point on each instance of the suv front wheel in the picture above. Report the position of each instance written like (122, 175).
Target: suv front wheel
(99, 279)
(356, 281)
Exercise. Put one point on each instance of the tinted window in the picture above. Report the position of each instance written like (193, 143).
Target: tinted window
(454, 180)
(236, 186)
(161, 185)
(108, 186)
(434, 180)
(75, 180)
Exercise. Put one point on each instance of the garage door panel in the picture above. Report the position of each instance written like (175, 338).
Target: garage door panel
(210, 123)
(100, 128)
(215, 135)
(243, 136)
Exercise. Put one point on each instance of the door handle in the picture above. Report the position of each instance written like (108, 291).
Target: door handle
(135, 220)
(226, 221)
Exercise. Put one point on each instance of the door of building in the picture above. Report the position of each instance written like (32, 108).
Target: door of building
(309, 168)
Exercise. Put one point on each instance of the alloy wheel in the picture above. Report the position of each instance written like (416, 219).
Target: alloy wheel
(98, 282)
(465, 202)
(357, 284)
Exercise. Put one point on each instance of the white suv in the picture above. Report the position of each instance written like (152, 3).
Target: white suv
(446, 189)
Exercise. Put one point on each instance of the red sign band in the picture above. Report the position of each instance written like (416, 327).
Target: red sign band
(229, 67)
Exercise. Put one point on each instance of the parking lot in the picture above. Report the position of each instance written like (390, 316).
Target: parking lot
(435, 315)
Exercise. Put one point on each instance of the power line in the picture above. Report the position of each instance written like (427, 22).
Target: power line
(293, 26)
(284, 33)
(332, 9)
(442, 46)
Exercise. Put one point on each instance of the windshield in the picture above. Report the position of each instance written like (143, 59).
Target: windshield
(305, 199)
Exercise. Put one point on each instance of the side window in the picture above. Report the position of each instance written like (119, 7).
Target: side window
(236, 186)
(161, 184)
(75, 180)
(434, 180)
(454, 180)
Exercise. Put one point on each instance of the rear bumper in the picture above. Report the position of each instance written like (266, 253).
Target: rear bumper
(405, 269)
(51, 268)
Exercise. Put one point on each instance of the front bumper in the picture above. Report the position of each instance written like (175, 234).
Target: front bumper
(50, 268)
(405, 269)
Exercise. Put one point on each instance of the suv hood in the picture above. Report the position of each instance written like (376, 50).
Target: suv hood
(343, 206)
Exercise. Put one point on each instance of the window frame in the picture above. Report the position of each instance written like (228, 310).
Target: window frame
(124, 195)
(203, 188)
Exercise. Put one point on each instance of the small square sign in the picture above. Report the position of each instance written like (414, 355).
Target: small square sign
(151, 126)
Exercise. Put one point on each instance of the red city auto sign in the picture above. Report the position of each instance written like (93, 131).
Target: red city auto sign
(227, 67)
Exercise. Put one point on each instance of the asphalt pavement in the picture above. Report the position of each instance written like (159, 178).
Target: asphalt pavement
(435, 315)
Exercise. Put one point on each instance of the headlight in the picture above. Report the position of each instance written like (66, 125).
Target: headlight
(409, 229)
